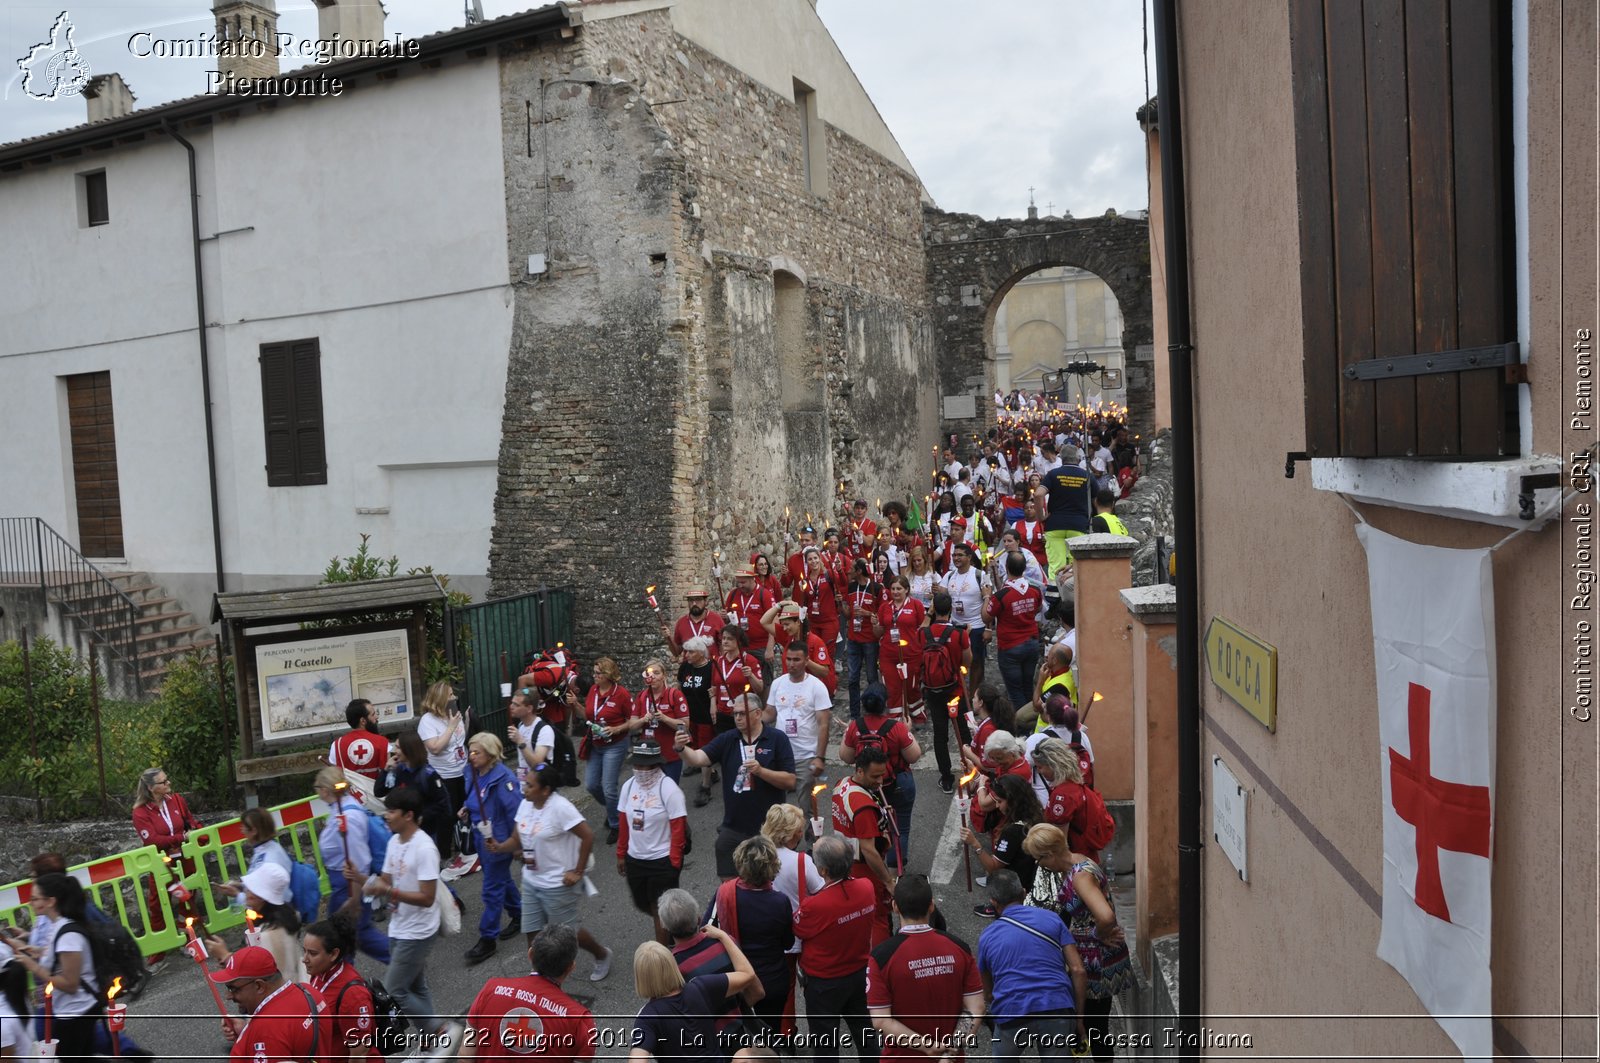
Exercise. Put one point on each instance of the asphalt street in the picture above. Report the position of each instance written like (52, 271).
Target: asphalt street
(176, 1018)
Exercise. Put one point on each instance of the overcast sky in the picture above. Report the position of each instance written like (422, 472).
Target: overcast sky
(986, 97)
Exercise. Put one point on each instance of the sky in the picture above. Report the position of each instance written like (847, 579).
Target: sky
(986, 97)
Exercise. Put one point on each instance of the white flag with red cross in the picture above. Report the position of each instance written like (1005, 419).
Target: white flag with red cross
(1433, 648)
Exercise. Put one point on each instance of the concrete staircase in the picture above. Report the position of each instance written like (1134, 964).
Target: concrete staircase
(162, 630)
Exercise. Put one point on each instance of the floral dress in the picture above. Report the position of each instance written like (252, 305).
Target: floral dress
(1109, 968)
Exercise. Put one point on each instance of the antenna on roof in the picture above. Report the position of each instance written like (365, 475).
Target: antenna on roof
(474, 12)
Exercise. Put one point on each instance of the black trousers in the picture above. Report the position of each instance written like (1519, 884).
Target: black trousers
(828, 1000)
(1097, 1023)
(938, 702)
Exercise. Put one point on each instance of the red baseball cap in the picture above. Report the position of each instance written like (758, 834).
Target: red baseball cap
(252, 961)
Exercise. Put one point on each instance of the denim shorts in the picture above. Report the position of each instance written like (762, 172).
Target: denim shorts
(542, 907)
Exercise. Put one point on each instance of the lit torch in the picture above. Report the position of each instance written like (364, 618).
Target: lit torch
(964, 806)
(116, 1016)
(816, 816)
(650, 596)
(197, 950)
(252, 934)
(1097, 696)
(49, 1013)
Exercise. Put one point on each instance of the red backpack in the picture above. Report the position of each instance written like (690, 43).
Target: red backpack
(1092, 822)
(939, 670)
(879, 739)
(1085, 762)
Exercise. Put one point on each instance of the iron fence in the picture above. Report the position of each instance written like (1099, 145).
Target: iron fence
(489, 642)
(33, 554)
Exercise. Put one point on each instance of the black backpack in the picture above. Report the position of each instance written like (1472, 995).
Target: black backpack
(389, 1023)
(563, 757)
(115, 954)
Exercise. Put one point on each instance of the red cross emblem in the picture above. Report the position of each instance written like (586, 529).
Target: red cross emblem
(521, 1031)
(1447, 815)
(360, 752)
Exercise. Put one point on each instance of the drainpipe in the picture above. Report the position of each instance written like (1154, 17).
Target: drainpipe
(205, 354)
(1180, 365)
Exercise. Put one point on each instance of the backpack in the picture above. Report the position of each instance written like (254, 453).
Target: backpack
(378, 835)
(938, 671)
(389, 1023)
(305, 890)
(1092, 821)
(115, 954)
(1085, 763)
(563, 757)
(879, 739)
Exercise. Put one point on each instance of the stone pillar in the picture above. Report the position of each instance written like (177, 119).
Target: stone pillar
(1155, 761)
(1103, 569)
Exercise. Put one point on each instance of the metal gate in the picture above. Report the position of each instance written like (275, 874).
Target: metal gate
(489, 640)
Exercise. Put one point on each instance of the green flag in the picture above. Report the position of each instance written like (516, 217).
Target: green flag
(914, 518)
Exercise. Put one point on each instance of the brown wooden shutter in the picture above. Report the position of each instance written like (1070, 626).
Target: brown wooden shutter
(291, 398)
(1402, 139)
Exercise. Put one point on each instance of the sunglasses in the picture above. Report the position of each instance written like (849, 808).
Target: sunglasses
(232, 988)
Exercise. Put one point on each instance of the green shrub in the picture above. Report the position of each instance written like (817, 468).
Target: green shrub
(194, 719)
(61, 714)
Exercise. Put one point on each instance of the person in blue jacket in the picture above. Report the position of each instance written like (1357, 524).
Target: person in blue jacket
(491, 808)
(351, 843)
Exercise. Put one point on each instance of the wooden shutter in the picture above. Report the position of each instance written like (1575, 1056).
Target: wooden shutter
(291, 399)
(1402, 140)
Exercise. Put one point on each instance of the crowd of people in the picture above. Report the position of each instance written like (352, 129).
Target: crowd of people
(818, 902)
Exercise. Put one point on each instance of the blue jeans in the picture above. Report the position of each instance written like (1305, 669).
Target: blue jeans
(1050, 1033)
(863, 658)
(1017, 666)
(604, 779)
(905, 796)
(501, 892)
(672, 769)
(407, 981)
(369, 938)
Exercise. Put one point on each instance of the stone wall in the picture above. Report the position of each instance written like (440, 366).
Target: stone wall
(970, 264)
(1147, 511)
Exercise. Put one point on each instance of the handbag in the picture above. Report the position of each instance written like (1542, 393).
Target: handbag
(1046, 892)
(448, 905)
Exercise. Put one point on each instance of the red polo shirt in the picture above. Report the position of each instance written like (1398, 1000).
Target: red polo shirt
(283, 1027)
(516, 1019)
(670, 706)
(830, 922)
(921, 976)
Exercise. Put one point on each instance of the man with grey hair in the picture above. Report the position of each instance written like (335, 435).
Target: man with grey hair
(1024, 959)
(1071, 507)
(758, 771)
(834, 923)
(698, 953)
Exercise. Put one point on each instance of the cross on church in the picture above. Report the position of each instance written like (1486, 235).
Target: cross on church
(1030, 195)
(1447, 815)
(1049, 208)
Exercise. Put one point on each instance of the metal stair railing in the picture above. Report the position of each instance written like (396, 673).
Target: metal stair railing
(32, 552)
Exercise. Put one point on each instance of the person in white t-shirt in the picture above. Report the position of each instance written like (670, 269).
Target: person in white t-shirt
(65, 962)
(15, 1036)
(653, 829)
(555, 842)
(409, 883)
(443, 731)
(530, 735)
(798, 704)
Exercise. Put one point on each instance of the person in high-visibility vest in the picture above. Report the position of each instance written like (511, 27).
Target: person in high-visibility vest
(1104, 519)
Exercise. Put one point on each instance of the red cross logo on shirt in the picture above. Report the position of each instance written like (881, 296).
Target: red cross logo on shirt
(521, 1031)
(1447, 815)
(360, 752)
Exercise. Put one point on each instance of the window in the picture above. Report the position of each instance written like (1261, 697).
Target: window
(813, 140)
(93, 207)
(1403, 146)
(291, 399)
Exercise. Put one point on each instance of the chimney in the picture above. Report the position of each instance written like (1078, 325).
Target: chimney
(247, 38)
(108, 96)
(349, 20)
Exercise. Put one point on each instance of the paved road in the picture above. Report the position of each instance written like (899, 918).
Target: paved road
(175, 1017)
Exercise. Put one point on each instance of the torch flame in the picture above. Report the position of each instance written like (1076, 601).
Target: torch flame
(817, 789)
(189, 922)
(969, 776)
(251, 914)
(650, 589)
(116, 987)
(954, 703)
(963, 669)
(1098, 696)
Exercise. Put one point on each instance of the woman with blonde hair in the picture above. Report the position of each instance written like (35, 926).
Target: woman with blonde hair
(162, 818)
(344, 838)
(491, 808)
(679, 1019)
(1085, 904)
(607, 710)
(443, 731)
(797, 877)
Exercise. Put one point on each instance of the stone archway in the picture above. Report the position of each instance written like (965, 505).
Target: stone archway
(972, 262)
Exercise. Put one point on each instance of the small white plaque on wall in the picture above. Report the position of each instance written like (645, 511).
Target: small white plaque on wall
(1228, 815)
(957, 407)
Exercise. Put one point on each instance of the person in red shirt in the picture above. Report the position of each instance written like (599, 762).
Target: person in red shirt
(518, 1019)
(877, 729)
(898, 626)
(761, 565)
(923, 987)
(835, 558)
(329, 951)
(1030, 531)
(361, 749)
(746, 604)
(785, 623)
(277, 1019)
(863, 529)
(162, 818)
(698, 622)
(794, 569)
(862, 815)
(835, 954)
(1015, 609)
(607, 710)
(861, 601)
(821, 596)
(733, 672)
(661, 713)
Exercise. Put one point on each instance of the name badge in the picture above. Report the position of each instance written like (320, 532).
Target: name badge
(791, 726)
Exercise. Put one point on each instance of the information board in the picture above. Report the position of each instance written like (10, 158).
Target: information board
(305, 685)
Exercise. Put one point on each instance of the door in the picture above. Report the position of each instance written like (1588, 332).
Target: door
(94, 464)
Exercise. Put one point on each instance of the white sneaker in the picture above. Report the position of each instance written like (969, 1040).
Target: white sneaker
(980, 880)
(449, 1042)
(602, 967)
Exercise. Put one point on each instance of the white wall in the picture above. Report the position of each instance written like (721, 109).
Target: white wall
(377, 224)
